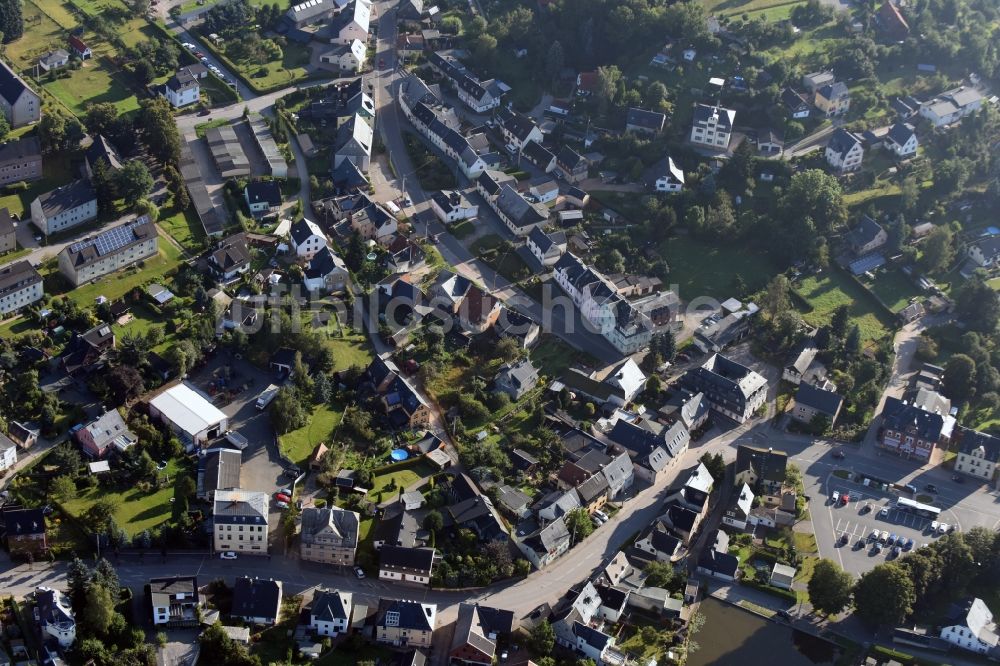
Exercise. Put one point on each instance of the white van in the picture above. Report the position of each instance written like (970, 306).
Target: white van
(393, 208)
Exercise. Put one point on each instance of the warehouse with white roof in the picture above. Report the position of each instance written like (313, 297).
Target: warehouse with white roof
(189, 414)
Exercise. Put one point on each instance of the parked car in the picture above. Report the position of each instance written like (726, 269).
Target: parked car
(359, 572)
(908, 545)
(860, 544)
(845, 498)
(843, 539)
(199, 54)
(281, 497)
(866, 507)
(896, 551)
(286, 491)
(883, 537)
(783, 614)
(603, 517)
(883, 512)
(943, 528)
(873, 536)
(934, 526)
(228, 555)
(838, 454)
(931, 488)
(281, 505)
(891, 540)
(835, 497)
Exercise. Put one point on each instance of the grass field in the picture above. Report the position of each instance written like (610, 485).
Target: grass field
(41, 34)
(299, 444)
(702, 269)
(552, 356)
(137, 511)
(393, 480)
(738, 7)
(350, 350)
(277, 74)
(828, 291)
(118, 284)
(894, 289)
(184, 227)
(93, 83)
(59, 11)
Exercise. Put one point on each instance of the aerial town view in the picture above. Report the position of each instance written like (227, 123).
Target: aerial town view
(499, 332)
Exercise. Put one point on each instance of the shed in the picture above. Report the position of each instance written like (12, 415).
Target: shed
(782, 576)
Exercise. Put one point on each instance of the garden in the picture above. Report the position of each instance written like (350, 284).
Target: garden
(826, 291)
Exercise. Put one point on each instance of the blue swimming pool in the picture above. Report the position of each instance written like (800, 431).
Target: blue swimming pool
(399, 454)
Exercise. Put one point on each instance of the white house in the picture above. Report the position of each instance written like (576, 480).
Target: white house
(712, 126)
(8, 452)
(326, 272)
(240, 522)
(406, 565)
(902, 140)
(671, 180)
(182, 88)
(348, 57)
(517, 129)
(262, 197)
(307, 238)
(738, 513)
(351, 24)
(544, 190)
(985, 251)
(845, 151)
(546, 248)
(64, 207)
(54, 614)
(20, 286)
(174, 600)
(973, 629)
(452, 206)
(331, 612)
(952, 106)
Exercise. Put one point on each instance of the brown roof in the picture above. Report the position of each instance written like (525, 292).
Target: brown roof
(477, 305)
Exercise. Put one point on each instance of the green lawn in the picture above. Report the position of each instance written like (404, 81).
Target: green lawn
(142, 320)
(704, 269)
(59, 12)
(298, 444)
(41, 34)
(552, 356)
(831, 289)
(738, 7)
(278, 74)
(137, 511)
(894, 289)
(350, 350)
(118, 284)
(382, 484)
(92, 84)
(55, 172)
(184, 227)
(461, 230)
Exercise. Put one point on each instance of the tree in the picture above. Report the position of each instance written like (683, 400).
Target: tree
(715, 464)
(433, 521)
(287, 411)
(938, 249)
(133, 181)
(66, 458)
(124, 383)
(4, 127)
(884, 595)
(218, 648)
(776, 298)
(608, 78)
(101, 512)
(978, 304)
(656, 95)
(658, 574)
(100, 118)
(852, 343)
(186, 487)
(838, 322)
(829, 588)
(579, 524)
(959, 377)
(542, 639)
(64, 488)
(98, 611)
(11, 20)
(159, 129)
(554, 61)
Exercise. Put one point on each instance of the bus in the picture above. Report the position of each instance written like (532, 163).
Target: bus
(911, 506)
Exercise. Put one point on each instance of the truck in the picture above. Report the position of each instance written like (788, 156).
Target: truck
(265, 398)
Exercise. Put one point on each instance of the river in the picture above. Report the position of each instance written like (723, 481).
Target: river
(732, 636)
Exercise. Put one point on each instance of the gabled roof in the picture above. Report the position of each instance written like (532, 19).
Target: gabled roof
(767, 464)
(24, 522)
(972, 440)
(516, 123)
(648, 120)
(593, 488)
(569, 158)
(11, 85)
(412, 559)
(900, 133)
(323, 263)
(899, 416)
(109, 429)
(264, 191)
(231, 252)
(537, 154)
(331, 606)
(834, 91)
(405, 614)
(719, 563)
(549, 537)
(723, 118)
(742, 502)
(793, 101)
(865, 232)
(842, 141)
(821, 400)
(101, 148)
(256, 597)
(302, 230)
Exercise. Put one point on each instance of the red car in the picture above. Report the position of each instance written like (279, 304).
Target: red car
(845, 498)
(281, 497)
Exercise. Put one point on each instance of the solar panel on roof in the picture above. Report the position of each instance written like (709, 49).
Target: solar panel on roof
(111, 240)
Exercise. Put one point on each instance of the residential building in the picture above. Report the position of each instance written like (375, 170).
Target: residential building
(832, 99)
(477, 632)
(518, 130)
(80, 47)
(175, 601)
(571, 166)
(105, 433)
(951, 106)
(761, 469)
(410, 10)
(20, 160)
(717, 562)
(182, 89)
(796, 370)
(102, 149)
(373, 222)
(519, 214)
(545, 247)
(404, 623)
(64, 207)
(262, 197)
(109, 251)
(712, 126)
(649, 452)
(812, 402)
(618, 321)
(351, 24)
(354, 142)
(480, 96)
(310, 12)
(890, 22)
(406, 565)
(192, 417)
(867, 236)
(909, 430)
(731, 389)
(660, 543)
(971, 627)
(795, 104)
(537, 154)
(329, 536)
(670, 178)
(346, 58)
(738, 512)
(54, 613)
(326, 272)
(902, 140)
(257, 600)
(20, 286)
(453, 206)
(8, 234)
(642, 121)
(240, 521)
(516, 379)
(978, 454)
(544, 190)
(231, 257)
(782, 576)
(985, 252)
(8, 452)
(546, 544)
(330, 613)
(307, 239)
(844, 151)
(19, 103)
(218, 469)
(816, 80)
(52, 60)
(26, 534)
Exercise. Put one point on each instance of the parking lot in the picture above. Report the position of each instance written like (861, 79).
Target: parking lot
(854, 520)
